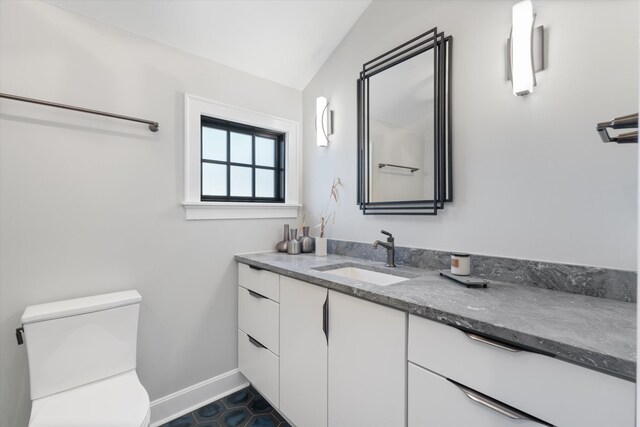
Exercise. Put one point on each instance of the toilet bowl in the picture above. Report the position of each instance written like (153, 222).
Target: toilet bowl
(82, 362)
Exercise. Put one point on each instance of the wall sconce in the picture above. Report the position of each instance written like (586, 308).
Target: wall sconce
(525, 53)
(324, 121)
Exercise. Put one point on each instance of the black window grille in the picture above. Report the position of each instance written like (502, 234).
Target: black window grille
(241, 163)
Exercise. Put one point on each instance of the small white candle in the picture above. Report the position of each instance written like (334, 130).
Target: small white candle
(461, 264)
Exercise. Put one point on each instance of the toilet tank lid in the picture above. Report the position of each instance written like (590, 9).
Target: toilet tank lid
(76, 306)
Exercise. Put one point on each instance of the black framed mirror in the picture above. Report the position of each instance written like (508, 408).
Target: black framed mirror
(404, 128)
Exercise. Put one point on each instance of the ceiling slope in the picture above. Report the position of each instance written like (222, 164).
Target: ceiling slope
(285, 41)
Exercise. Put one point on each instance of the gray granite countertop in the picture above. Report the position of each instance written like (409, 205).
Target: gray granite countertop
(594, 332)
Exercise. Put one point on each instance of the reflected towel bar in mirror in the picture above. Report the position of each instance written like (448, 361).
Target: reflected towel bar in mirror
(383, 165)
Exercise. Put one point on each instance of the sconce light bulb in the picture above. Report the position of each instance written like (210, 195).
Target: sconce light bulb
(522, 74)
(322, 121)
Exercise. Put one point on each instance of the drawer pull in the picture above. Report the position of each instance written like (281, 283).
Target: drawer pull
(253, 267)
(491, 342)
(499, 407)
(255, 342)
(256, 295)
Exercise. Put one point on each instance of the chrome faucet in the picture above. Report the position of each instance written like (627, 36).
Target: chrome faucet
(389, 246)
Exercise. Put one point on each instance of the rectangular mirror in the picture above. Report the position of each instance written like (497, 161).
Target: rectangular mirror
(404, 133)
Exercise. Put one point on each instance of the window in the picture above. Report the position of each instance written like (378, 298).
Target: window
(241, 163)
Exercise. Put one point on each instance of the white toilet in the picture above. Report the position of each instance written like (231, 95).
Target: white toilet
(82, 362)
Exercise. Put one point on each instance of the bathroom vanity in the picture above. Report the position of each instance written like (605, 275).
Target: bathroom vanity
(332, 349)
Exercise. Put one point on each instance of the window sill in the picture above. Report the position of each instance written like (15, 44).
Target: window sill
(225, 210)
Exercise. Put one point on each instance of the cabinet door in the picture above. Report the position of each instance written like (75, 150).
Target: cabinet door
(436, 402)
(303, 353)
(367, 363)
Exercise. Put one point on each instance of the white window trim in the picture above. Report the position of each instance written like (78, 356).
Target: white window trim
(194, 108)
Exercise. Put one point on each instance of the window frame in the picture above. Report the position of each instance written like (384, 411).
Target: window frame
(279, 168)
(195, 209)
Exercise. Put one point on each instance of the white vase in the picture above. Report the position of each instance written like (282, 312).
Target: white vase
(321, 246)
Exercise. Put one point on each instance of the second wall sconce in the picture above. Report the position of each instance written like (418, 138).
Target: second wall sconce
(324, 121)
(525, 49)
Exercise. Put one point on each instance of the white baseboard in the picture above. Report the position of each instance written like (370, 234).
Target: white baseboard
(193, 397)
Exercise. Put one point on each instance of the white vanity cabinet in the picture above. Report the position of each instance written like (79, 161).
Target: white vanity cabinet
(303, 353)
(455, 376)
(325, 359)
(320, 357)
(367, 363)
(342, 359)
(259, 329)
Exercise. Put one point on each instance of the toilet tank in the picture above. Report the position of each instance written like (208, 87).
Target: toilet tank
(78, 341)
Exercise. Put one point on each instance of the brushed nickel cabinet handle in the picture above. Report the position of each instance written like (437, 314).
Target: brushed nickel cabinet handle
(491, 342)
(497, 406)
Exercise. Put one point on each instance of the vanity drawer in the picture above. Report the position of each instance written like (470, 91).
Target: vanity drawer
(259, 317)
(434, 401)
(561, 393)
(260, 366)
(261, 281)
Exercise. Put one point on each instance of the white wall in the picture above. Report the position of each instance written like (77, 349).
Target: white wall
(92, 205)
(531, 177)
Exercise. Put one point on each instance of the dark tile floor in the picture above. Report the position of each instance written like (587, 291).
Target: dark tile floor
(244, 408)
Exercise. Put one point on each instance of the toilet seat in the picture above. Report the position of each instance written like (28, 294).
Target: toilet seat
(118, 401)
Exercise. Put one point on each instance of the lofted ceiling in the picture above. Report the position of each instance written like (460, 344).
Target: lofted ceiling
(285, 41)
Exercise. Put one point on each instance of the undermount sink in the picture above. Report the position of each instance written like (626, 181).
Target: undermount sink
(373, 277)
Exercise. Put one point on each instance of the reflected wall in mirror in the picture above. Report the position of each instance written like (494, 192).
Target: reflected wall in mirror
(404, 137)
